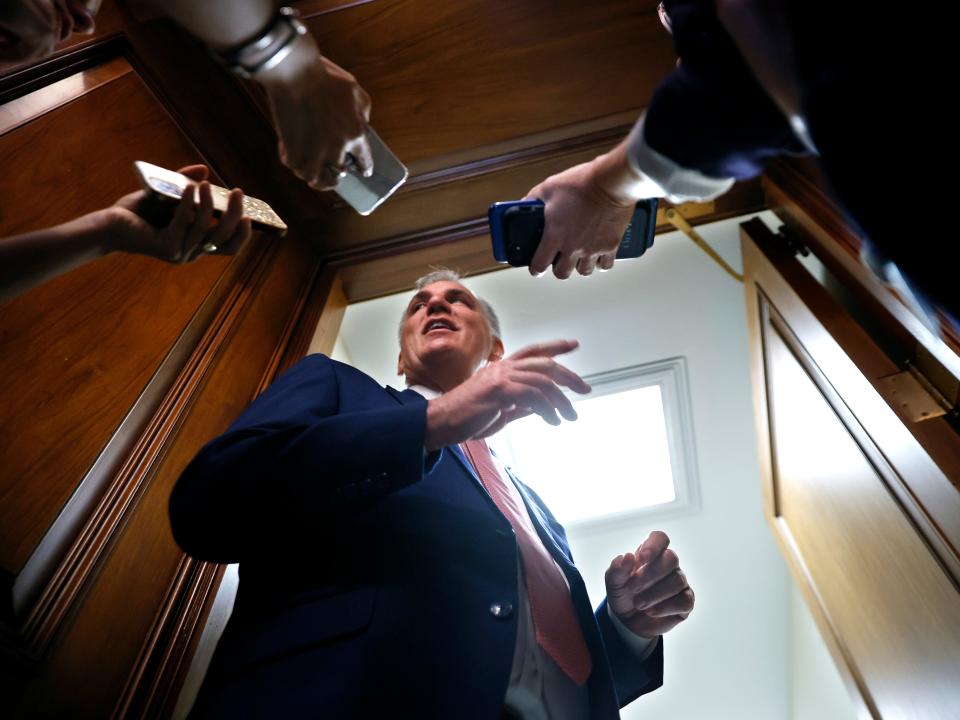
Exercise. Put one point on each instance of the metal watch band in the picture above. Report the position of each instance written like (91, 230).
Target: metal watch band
(268, 49)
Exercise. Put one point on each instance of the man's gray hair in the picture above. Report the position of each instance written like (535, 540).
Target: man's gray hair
(448, 275)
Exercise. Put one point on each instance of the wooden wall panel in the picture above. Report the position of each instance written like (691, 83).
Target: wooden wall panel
(76, 353)
(100, 369)
(144, 561)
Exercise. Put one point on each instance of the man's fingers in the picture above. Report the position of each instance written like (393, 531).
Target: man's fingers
(546, 251)
(221, 234)
(551, 348)
(362, 157)
(201, 220)
(558, 373)
(655, 545)
(587, 264)
(653, 572)
(183, 218)
(364, 104)
(197, 172)
(673, 584)
(536, 392)
(564, 265)
(618, 594)
(680, 604)
(546, 388)
(619, 572)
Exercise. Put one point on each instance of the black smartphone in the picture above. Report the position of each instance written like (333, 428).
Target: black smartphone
(517, 226)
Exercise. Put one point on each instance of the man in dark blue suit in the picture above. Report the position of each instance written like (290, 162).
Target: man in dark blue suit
(391, 566)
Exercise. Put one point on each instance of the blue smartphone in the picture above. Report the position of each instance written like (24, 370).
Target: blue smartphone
(517, 226)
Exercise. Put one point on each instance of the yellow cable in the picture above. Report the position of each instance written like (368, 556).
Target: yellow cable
(681, 224)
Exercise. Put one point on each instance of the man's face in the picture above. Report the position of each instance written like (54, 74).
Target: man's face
(445, 336)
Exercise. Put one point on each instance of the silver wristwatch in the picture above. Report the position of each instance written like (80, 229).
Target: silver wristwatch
(268, 49)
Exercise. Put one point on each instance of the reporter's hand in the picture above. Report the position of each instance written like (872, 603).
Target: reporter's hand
(190, 229)
(587, 210)
(582, 224)
(527, 382)
(319, 113)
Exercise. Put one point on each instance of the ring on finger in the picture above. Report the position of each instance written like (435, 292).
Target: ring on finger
(338, 172)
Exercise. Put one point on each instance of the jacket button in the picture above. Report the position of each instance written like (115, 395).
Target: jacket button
(501, 610)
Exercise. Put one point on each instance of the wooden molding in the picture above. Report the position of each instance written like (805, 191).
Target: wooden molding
(597, 140)
(60, 592)
(29, 78)
(392, 264)
(151, 690)
(25, 108)
(328, 326)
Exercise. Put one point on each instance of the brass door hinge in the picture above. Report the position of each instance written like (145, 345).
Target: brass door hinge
(912, 396)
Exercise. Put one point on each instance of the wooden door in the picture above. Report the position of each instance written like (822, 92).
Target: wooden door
(863, 500)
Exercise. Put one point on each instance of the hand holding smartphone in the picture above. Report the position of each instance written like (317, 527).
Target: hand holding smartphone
(167, 185)
(366, 193)
(516, 228)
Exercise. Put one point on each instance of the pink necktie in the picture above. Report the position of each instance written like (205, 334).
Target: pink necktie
(554, 618)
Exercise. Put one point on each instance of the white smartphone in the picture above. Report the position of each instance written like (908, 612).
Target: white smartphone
(168, 184)
(365, 194)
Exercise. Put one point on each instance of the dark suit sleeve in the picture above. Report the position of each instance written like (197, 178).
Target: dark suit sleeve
(292, 459)
(631, 677)
(710, 114)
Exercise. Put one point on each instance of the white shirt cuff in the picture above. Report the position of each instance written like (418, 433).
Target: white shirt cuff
(640, 646)
(679, 184)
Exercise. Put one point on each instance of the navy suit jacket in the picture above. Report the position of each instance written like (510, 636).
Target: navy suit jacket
(867, 111)
(368, 572)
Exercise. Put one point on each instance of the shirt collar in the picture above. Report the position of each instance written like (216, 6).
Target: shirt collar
(428, 393)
